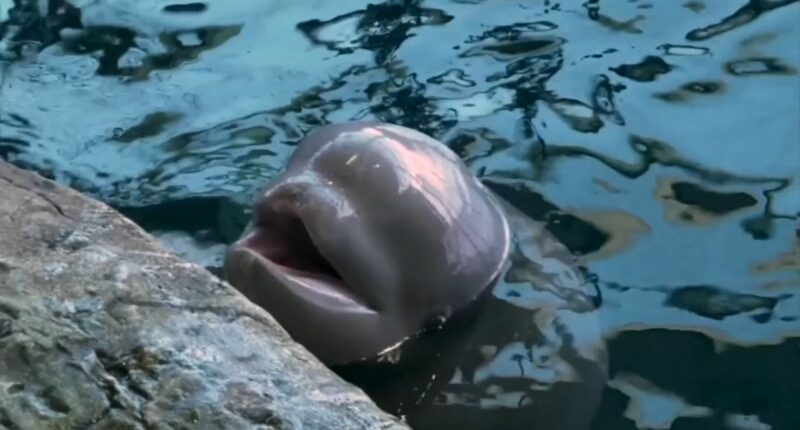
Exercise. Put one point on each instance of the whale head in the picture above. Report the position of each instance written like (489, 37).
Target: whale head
(371, 232)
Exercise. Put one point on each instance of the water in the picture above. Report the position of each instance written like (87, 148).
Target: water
(660, 141)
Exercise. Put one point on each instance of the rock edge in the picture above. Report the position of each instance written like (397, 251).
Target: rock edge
(102, 328)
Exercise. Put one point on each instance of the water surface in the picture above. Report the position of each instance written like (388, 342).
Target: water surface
(660, 141)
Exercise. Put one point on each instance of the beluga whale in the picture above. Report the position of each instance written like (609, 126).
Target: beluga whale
(371, 232)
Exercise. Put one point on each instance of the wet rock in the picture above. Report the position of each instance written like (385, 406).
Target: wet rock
(106, 329)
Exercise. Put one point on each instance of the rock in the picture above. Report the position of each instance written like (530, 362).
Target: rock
(102, 328)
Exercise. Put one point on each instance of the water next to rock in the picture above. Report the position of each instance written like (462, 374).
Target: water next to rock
(658, 140)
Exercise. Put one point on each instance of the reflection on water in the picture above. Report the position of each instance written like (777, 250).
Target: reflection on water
(656, 140)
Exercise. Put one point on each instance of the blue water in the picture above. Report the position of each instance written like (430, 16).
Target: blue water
(660, 141)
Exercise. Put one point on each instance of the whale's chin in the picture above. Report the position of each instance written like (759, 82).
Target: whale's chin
(314, 305)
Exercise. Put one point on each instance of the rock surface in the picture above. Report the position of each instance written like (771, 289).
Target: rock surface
(102, 328)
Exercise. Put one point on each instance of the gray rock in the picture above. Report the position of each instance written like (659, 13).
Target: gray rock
(102, 328)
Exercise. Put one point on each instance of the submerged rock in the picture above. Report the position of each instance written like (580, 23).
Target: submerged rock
(102, 328)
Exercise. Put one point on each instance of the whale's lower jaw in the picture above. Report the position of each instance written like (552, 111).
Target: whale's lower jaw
(315, 309)
(319, 286)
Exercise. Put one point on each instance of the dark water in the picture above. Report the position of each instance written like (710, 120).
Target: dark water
(660, 141)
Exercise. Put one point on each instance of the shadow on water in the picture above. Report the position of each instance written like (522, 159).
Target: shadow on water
(656, 140)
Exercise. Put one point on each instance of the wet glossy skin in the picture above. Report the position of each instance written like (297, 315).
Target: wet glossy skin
(371, 232)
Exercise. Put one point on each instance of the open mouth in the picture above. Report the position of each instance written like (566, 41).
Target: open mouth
(282, 241)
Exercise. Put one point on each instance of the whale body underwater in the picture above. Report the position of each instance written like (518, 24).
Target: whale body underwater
(372, 232)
